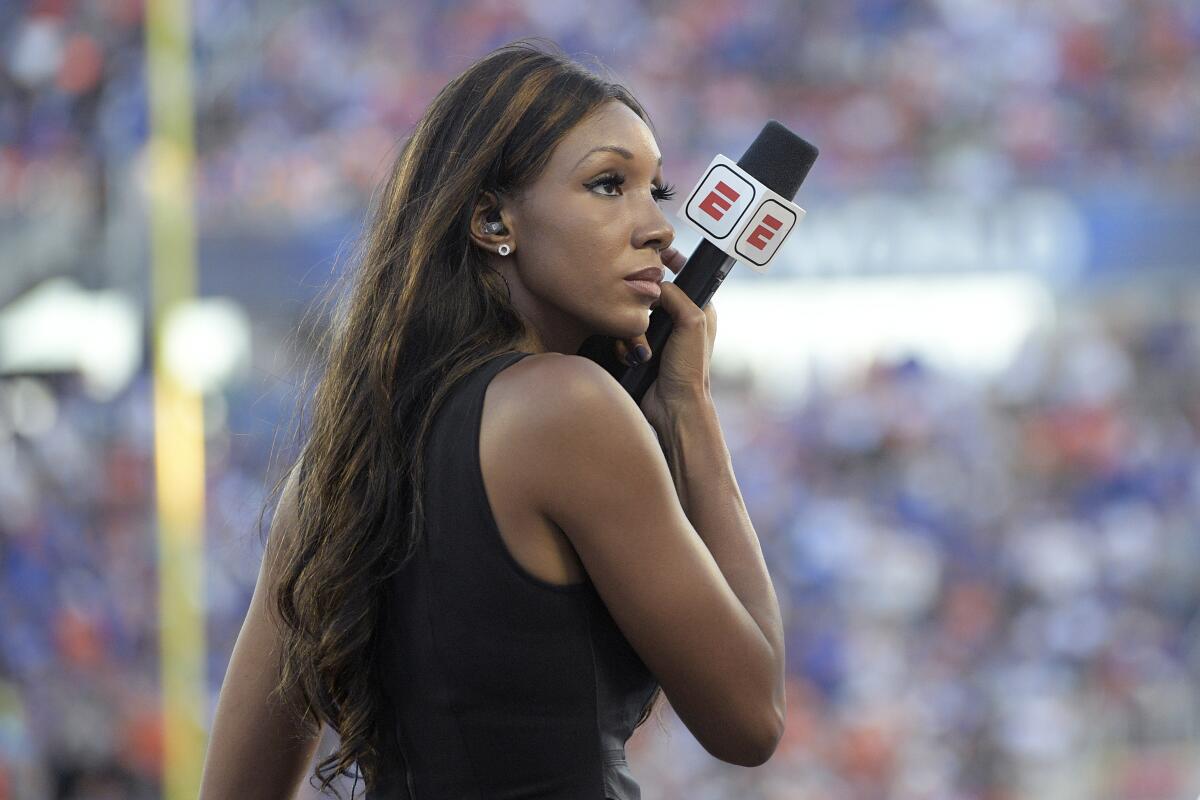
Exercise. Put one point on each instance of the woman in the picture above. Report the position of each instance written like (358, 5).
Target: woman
(489, 558)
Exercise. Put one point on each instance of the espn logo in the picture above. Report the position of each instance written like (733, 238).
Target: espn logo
(740, 215)
(720, 202)
(769, 226)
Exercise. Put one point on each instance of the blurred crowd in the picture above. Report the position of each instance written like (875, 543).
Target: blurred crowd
(79, 659)
(299, 105)
(990, 589)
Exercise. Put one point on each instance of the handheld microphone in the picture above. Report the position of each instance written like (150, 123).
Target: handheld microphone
(744, 212)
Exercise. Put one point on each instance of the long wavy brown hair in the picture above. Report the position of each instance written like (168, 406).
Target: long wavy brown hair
(423, 310)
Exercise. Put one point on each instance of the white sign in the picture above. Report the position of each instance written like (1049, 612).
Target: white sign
(740, 215)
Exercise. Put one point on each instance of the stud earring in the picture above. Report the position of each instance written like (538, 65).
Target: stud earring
(505, 249)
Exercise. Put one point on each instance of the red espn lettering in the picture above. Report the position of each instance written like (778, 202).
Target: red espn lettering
(709, 204)
(761, 234)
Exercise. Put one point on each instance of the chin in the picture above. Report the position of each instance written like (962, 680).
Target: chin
(630, 323)
(641, 321)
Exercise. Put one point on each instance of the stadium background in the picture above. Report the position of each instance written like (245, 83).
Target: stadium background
(963, 405)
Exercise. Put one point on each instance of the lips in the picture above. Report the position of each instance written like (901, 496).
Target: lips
(645, 288)
(654, 274)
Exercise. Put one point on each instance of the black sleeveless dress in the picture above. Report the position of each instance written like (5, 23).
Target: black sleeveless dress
(503, 685)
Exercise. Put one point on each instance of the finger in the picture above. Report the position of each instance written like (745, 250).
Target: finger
(673, 259)
(625, 349)
(710, 312)
(682, 308)
(641, 341)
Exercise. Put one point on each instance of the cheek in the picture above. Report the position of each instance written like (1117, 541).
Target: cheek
(568, 249)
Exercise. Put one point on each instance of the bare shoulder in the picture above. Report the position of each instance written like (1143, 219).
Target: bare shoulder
(556, 376)
(548, 389)
(552, 408)
(563, 416)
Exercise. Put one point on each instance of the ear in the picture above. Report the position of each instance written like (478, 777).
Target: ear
(489, 209)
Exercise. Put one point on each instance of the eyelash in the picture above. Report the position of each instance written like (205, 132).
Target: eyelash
(665, 192)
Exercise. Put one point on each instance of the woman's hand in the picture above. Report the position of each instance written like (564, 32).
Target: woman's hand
(683, 370)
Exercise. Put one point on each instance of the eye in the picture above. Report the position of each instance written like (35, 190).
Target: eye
(609, 180)
(613, 180)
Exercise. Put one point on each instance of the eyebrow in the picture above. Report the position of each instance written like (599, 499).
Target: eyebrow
(612, 148)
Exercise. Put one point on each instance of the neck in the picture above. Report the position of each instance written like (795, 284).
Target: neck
(548, 329)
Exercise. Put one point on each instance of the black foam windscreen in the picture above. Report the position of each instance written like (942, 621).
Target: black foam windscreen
(779, 159)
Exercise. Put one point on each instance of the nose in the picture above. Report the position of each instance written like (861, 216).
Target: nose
(656, 231)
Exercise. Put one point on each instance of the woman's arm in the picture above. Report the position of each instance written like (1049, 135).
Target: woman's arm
(702, 470)
(687, 586)
(256, 749)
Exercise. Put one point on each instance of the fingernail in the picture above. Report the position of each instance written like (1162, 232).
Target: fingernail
(643, 353)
